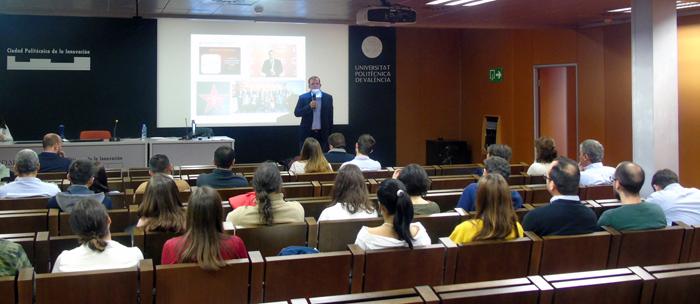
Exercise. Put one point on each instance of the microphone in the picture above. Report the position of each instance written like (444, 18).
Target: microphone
(114, 131)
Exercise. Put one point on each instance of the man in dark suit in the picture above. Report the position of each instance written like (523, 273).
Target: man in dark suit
(336, 149)
(565, 214)
(51, 159)
(272, 67)
(316, 111)
(222, 176)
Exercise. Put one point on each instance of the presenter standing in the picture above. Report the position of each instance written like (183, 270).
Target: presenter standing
(316, 111)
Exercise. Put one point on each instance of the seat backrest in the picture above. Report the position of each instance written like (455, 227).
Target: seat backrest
(188, 283)
(196, 169)
(24, 203)
(153, 244)
(378, 174)
(446, 200)
(520, 290)
(102, 286)
(536, 194)
(572, 253)
(307, 275)
(269, 240)
(493, 260)
(597, 192)
(649, 247)
(440, 225)
(396, 296)
(95, 134)
(58, 244)
(695, 245)
(7, 290)
(518, 168)
(313, 206)
(307, 177)
(35, 245)
(120, 221)
(619, 286)
(298, 189)
(462, 169)
(517, 179)
(451, 181)
(19, 221)
(49, 176)
(403, 267)
(336, 235)
(676, 283)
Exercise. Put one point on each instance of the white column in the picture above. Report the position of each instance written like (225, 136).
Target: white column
(654, 86)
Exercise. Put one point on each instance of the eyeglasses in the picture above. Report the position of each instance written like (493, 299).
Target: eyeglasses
(547, 178)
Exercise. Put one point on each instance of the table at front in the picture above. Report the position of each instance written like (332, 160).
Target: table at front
(199, 151)
(113, 155)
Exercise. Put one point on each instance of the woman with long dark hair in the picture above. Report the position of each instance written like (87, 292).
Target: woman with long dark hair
(90, 221)
(311, 159)
(270, 208)
(204, 242)
(495, 218)
(161, 209)
(350, 198)
(397, 229)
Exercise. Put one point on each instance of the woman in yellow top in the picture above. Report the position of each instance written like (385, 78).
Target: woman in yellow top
(495, 218)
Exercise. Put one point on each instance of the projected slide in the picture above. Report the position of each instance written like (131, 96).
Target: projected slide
(244, 79)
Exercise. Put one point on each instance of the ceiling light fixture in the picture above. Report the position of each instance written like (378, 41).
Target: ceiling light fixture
(459, 2)
(478, 2)
(679, 5)
(436, 2)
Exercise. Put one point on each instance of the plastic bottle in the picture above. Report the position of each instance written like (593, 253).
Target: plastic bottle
(61, 131)
(144, 131)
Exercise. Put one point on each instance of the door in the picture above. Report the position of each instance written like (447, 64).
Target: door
(556, 107)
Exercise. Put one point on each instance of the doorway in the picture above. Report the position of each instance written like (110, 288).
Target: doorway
(556, 106)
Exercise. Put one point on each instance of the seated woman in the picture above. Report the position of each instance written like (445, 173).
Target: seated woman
(271, 208)
(417, 183)
(204, 242)
(350, 198)
(495, 218)
(397, 229)
(545, 154)
(161, 209)
(90, 221)
(311, 159)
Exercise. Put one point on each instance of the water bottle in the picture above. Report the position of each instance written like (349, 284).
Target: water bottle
(61, 131)
(144, 131)
(194, 128)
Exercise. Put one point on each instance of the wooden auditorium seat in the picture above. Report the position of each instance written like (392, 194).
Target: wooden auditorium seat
(441, 224)
(519, 168)
(452, 181)
(420, 294)
(24, 203)
(431, 170)
(18, 221)
(35, 245)
(536, 194)
(525, 290)
(336, 235)
(676, 283)
(463, 169)
(269, 240)
(613, 286)
(153, 242)
(401, 267)
(307, 177)
(571, 253)
(313, 206)
(446, 199)
(57, 244)
(694, 245)
(8, 288)
(596, 192)
(517, 180)
(647, 247)
(59, 221)
(384, 173)
(490, 260)
(101, 286)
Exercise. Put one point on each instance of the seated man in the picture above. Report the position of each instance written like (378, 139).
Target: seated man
(363, 147)
(81, 176)
(634, 214)
(27, 184)
(492, 165)
(677, 202)
(222, 176)
(160, 163)
(52, 159)
(336, 152)
(565, 215)
(593, 172)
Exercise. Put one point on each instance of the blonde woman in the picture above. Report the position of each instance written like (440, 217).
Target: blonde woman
(311, 159)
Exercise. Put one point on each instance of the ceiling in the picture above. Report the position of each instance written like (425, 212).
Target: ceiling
(498, 14)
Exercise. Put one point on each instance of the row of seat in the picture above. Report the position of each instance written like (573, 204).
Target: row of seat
(353, 275)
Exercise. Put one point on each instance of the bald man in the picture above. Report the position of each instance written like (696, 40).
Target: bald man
(52, 159)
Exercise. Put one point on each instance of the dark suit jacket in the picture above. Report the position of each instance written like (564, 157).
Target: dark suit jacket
(221, 178)
(561, 217)
(51, 162)
(304, 111)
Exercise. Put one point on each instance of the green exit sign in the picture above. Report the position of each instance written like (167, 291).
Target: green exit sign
(496, 74)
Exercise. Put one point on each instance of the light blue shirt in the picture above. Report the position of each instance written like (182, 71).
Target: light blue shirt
(316, 124)
(28, 186)
(678, 203)
(364, 163)
(597, 174)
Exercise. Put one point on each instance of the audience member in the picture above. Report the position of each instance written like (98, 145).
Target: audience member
(12, 258)
(204, 242)
(27, 184)
(337, 153)
(271, 208)
(222, 176)
(397, 230)
(81, 175)
(100, 183)
(502, 151)
(634, 214)
(546, 152)
(565, 215)
(52, 159)
(311, 159)
(363, 147)
(161, 209)
(677, 202)
(349, 197)
(492, 165)
(593, 172)
(160, 164)
(90, 221)
(417, 184)
(495, 218)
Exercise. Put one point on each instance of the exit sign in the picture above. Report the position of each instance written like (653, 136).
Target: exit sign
(496, 74)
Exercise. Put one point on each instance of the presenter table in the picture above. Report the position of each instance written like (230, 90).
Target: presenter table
(129, 153)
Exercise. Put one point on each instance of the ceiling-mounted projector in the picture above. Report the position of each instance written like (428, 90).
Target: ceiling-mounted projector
(386, 15)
